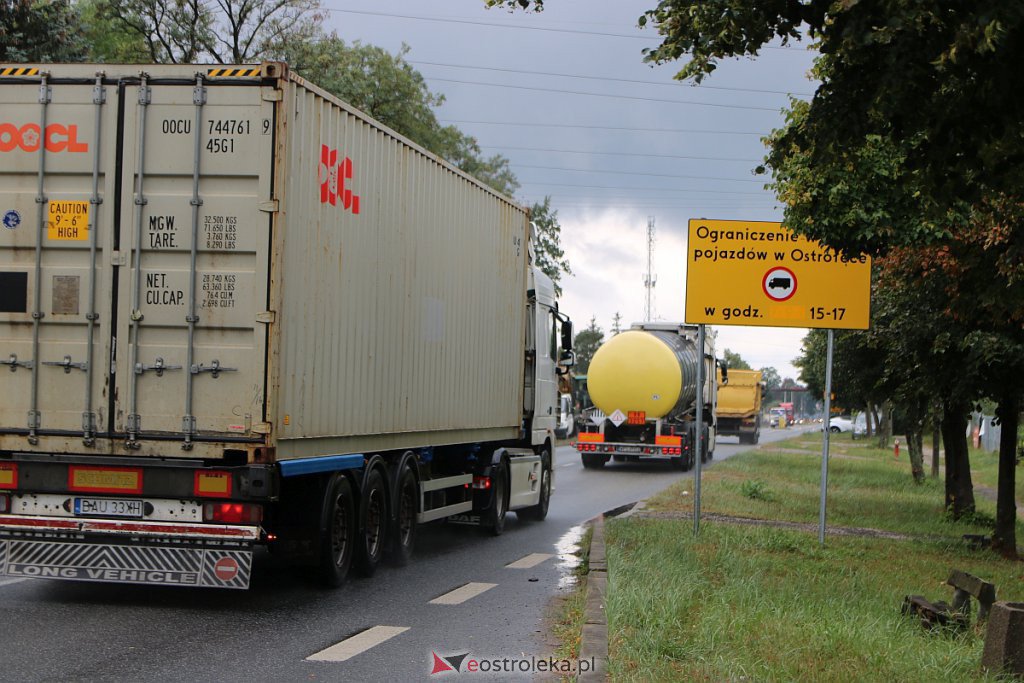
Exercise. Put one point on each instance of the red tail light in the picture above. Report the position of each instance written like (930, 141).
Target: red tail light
(482, 483)
(232, 513)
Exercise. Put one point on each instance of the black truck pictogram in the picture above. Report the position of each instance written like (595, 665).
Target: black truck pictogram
(783, 282)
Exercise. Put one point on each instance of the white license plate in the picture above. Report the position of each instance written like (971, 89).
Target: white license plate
(109, 507)
(628, 449)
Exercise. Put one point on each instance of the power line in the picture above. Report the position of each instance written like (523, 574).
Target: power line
(529, 124)
(524, 27)
(562, 91)
(616, 154)
(638, 173)
(702, 86)
(666, 189)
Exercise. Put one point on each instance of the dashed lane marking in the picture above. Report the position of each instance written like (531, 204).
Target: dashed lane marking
(461, 595)
(357, 644)
(529, 561)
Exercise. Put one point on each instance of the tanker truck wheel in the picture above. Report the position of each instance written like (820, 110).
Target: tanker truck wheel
(337, 531)
(593, 461)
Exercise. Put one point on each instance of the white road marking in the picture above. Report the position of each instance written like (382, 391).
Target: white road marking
(529, 561)
(357, 644)
(460, 595)
(8, 582)
(568, 464)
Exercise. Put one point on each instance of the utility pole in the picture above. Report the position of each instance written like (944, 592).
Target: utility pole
(650, 279)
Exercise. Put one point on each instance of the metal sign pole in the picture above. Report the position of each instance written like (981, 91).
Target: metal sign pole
(699, 430)
(825, 433)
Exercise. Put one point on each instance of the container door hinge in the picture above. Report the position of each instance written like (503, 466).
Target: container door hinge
(266, 317)
(270, 206)
(272, 95)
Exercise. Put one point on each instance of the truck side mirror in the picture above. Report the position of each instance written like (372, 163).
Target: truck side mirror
(725, 372)
(566, 336)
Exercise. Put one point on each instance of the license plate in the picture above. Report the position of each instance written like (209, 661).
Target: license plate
(109, 507)
(628, 449)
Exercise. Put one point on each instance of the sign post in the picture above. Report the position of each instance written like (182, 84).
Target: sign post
(761, 274)
(700, 430)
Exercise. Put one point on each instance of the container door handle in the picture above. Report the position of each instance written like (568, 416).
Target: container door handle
(159, 365)
(14, 363)
(214, 368)
(66, 364)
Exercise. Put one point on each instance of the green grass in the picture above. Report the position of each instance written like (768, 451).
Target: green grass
(568, 620)
(764, 604)
(759, 603)
(867, 487)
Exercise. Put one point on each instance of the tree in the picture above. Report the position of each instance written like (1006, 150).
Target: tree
(585, 344)
(771, 378)
(107, 40)
(225, 31)
(550, 256)
(33, 31)
(617, 323)
(734, 361)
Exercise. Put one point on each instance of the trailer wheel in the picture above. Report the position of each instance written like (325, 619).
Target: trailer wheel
(374, 524)
(337, 531)
(404, 534)
(593, 461)
(539, 511)
(494, 522)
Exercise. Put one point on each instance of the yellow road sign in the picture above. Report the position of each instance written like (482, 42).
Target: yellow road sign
(762, 274)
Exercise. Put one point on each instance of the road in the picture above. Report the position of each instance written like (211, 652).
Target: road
(287, 628)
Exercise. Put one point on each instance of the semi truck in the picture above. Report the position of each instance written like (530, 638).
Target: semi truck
(643, 384)
(739, 404)
(237, 312)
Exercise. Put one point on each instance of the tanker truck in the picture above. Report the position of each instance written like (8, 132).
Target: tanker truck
(238, 313)
(643, 384)
(739, 404)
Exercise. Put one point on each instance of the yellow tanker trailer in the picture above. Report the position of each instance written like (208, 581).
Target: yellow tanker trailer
(643, 383)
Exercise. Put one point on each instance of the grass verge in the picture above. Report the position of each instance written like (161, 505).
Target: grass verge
(568, 621)
(761, 603)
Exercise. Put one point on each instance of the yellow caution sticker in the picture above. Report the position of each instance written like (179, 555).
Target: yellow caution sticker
(234, 72)
(68, 221)
(18, 71)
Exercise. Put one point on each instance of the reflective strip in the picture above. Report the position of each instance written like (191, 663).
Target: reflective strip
(248, 72)
(133, 528)
(18, 71)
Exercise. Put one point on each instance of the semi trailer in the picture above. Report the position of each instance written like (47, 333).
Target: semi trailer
(739, 404)
(237, 312)
(643, 384)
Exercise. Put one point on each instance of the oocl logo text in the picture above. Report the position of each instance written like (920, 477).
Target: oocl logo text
(58, 138)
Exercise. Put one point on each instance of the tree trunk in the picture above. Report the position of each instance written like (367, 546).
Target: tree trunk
(869, 416)
(885, 428)
(959, 489)
(915, 440)
(936, 444)
(1004, 538)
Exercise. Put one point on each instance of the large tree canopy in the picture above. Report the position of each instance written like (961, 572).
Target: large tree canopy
(32, 31)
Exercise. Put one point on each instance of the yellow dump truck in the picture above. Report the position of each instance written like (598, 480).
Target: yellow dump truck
(739, 404)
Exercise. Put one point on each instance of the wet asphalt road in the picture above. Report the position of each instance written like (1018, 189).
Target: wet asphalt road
(77, 631)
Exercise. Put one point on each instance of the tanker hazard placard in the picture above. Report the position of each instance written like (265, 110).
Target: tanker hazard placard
(762, 274)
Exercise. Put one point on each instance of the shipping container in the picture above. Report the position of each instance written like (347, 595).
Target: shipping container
(227, 266)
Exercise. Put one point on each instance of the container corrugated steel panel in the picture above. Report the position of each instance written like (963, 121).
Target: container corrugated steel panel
(352, 292)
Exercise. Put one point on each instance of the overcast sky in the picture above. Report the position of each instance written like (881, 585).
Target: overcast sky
(566, 96)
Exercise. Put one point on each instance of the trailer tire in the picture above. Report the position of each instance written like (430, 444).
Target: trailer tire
(539, 512)
(404, 532)
(373, 524)
(337, 531)
(494, 521)
(593, 461)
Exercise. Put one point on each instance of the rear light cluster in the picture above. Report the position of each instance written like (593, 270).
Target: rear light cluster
(648, 450)
(586, 447)
(481, 483)
(232, 513)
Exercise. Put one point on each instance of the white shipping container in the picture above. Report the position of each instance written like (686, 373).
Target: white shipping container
(208, 260)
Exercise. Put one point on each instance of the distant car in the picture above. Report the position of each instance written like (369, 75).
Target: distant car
(840, 424)
(860, 425)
